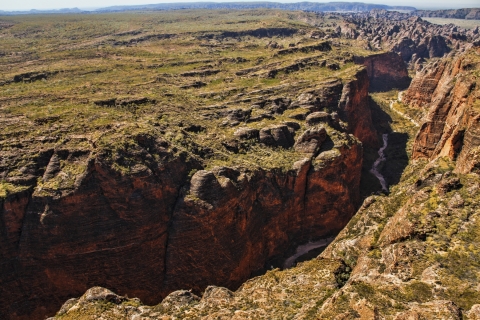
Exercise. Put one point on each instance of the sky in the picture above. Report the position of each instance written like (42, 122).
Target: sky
(7, 5)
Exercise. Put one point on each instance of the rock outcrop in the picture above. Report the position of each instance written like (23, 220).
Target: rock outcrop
(449, 90)
(410, 37)
(146, 234)
(386, 71)
(409, 255)
(104, 230)
(276, 136)
(231, 221)
(311, 140)
(354, 109)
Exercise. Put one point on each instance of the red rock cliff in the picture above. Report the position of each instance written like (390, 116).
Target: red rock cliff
(154, 230)
(386, 71)
(354, 109)
(449, 89)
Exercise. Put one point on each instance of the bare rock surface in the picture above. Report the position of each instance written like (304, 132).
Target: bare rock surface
(448, 90)
(276, 136)
(311, 140)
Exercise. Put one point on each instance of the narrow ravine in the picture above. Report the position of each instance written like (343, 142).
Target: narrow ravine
(380, 159)
(304, 249)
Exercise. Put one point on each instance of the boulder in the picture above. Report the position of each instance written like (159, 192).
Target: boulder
(204, 185)
(246, 133)
(101, 294)
(276, 136)
(318, 117)
(238, 114)
(311, 140)
(292, 125)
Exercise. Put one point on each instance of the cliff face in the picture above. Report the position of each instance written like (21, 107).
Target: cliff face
(386, 71)
(81, 219)
(354, 109)
(109, 227)
(231, 221)
(409, 255)
(449, 89)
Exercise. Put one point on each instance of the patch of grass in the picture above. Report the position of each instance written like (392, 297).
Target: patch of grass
(7, 189)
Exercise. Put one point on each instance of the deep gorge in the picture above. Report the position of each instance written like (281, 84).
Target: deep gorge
(150, 171)
(158, 229)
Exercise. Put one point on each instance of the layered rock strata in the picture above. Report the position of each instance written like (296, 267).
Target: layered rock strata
(448, 89)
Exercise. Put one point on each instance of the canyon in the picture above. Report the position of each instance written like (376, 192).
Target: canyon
(409, 254)
(111, 222)
(209, 172)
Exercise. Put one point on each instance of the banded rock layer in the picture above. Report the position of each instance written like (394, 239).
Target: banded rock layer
(449, 90)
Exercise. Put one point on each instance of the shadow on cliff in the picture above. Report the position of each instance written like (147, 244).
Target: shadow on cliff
(396, 153)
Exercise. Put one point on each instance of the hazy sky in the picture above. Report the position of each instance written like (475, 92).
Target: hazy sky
(57, 4)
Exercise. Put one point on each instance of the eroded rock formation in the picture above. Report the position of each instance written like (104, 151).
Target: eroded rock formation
(449, 90)
(167, 222)
(386, 71)
(156, 218)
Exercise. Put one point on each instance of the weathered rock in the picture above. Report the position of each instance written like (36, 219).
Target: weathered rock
(300, 115)
(276, 136)
(279, 105)
(386, 71)
(243, 207)
(292, 126)
(438, 309)
(246, 133)
(100, 294)
(474, 312)
(451, 126)
(200, 73)
(204, 185)
(317, 118)
(53, 168)
(177, 300)
(238, 114)
(110, 230)
(311, 140)
(353, 108)
(33, 76)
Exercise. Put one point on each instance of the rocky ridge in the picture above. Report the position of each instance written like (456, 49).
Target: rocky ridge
(467, 13)
(411, 37)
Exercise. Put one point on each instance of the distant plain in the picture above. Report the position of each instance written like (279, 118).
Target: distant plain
(463, 23)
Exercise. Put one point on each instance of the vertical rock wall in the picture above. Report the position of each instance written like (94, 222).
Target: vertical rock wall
(449, 89)
(386, 71)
